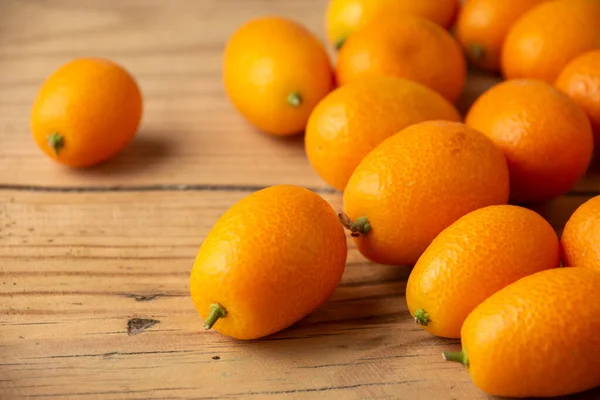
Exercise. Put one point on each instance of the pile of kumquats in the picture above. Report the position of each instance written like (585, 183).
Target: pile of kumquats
(423, 186)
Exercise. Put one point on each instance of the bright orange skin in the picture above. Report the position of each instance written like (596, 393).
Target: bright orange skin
(482, 26)
(538, 337)
(580, 80)
(410, 48)
(417, 183)
(94, 104)
(546, 137)
(581, 236)
(265, 61)
(547, 37)
(270, 260)
(352, 120)
(344, 17)
(473, 258)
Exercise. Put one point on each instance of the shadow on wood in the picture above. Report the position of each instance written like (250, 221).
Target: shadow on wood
(146, 151)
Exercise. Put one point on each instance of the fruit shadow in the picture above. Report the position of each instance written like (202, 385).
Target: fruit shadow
(558, 211)
(291, 141)
(364, 327)
(477, 83)
(143, 154)
(593, 394)
(358, 316)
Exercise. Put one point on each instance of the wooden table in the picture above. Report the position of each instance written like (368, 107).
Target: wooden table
(94, 264)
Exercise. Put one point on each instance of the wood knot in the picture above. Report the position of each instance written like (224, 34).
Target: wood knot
(135, 326)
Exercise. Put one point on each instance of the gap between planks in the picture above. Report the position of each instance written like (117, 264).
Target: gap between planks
(192, 188)
(151, 188)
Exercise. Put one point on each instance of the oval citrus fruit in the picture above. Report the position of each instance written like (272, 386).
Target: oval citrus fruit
(411, 48)
(472, 259)
(345, 17)
(275, 71)
(86, 112)
(418, 182)
(548, 36)
(546, 137)
(537, 337)
(580, 80)
(580, 238)
(482, 26)
(352, 120)
(270, 260)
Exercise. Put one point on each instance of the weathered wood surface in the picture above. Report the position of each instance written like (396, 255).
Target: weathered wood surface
(94, 264)
(190, 133)
(78, 269)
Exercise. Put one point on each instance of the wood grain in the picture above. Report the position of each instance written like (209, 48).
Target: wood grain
(94, 264)
(76, 268)
(190, 133)
(70, 286)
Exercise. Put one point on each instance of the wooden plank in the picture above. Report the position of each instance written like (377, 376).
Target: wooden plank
(190, 134)
(75, 268)
(93, 284)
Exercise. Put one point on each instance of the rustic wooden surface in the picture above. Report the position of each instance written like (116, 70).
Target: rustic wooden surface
(94, 264)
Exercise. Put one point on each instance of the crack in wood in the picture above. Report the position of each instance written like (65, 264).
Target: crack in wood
(135, 326)
(191, 188)
(362, 361)
(127, 392)
(147, 297)
(30, 323)
(80, 293)
(258, 393)
(98, 257)
(91, 273)
(110, 354)
(120, 332)
(150, 188)
(331, 388)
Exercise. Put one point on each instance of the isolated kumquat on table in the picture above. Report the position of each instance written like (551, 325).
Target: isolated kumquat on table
(86, 112)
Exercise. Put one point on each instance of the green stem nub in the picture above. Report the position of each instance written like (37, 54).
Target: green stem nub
(458, 356)
(476, 51)
(340, 43)
(216, 311)
(422, 317)
(361, 226)
(294, 99)
(56, 141)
